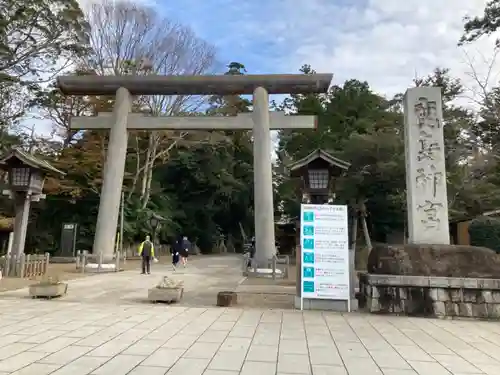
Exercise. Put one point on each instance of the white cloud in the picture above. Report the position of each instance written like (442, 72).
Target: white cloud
(389, 42)
(385, 42)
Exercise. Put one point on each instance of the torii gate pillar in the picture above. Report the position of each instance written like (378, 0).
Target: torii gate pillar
(263, 179)
(113, 173)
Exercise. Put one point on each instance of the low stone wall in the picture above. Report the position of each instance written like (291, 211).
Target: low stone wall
(430, 296)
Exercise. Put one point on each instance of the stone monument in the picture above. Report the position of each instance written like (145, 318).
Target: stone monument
(428, 276)
(427, 201)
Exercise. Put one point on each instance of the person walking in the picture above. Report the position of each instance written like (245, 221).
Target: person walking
(147, 253)
(184, 250)
(176, 246)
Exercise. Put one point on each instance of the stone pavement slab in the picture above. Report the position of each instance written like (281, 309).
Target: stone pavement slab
(70, 338)
(215, 273)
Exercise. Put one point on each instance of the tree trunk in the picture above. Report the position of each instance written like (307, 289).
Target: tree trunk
(354, 233)
(146, 167)
(148, 172)
(137, 169)
(147, 194)
(365, 228)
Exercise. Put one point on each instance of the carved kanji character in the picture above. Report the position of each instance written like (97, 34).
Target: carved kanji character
(426, 112)
(431, 211)
(432, 178)
(427, 149)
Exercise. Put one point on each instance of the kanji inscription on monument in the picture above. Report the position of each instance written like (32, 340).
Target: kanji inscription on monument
(427, 199)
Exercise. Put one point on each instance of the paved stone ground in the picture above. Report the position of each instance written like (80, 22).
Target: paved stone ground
(203, 278)
(103, 334)
(42, 337)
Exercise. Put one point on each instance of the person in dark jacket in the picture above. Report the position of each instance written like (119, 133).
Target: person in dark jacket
(184, 250)
(175, 248)
(147, 253)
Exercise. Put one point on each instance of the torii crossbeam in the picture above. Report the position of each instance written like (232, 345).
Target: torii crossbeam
(260, 121)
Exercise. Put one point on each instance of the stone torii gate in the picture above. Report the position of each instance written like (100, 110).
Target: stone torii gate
(260, 121)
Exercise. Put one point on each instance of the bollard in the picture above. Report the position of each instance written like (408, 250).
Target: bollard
(7, 264)
(99, 265)
(274, 266)
(84, 261)
(78, 256)
(22, 263)
(27, 268)
(47, 262)
(117, 261)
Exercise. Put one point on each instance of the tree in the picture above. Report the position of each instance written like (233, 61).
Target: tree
(349, 116)
(365, 129)
(216, 193)
(487, 24)
(134, 39)
(37, 40)
(36, 36)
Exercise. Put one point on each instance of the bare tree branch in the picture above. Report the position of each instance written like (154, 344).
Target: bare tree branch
(124, 34)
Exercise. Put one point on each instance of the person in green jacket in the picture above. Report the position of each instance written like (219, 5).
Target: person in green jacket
(147, 253)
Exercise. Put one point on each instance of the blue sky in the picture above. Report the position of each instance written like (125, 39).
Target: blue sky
(266, 35)
(387, 42)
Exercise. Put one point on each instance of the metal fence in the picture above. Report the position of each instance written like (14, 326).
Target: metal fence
(84, 259)
(24, 266)
(278, 265)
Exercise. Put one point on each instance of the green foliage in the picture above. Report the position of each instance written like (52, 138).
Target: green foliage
(365, 129)
(485, 231)
(36, 42)
(488, 23)
(35, 36)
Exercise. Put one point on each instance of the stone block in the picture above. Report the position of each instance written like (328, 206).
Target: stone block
(488, 284)
(379, 279)
(470, 283)
(470, 295)
(439, 308)
(493, 310)
(403, 293)
(479, 310)
(465, 309)
(227, 299)
(48, 290)
(456, 295)
(396, 307)
(451, 308)
(173, 294)
(434, 294)
(439, 282)
(495, 296)
(434, 260)
(485, 297)
(443, 295)
(415, 281)
(373, 304)
(455, 282)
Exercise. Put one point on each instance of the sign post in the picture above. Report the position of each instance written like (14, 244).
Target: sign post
(68, 240)
(325, 253)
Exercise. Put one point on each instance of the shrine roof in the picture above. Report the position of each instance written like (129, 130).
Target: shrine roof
(29, 160)
(319, 154)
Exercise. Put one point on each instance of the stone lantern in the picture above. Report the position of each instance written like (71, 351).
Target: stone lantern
(155, 221)
(317, 172)
(26, 176)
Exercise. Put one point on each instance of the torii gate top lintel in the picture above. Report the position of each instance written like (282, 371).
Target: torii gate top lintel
(195, 85)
